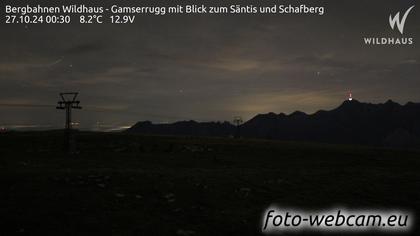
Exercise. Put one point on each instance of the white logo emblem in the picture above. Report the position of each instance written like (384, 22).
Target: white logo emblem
(396, 19)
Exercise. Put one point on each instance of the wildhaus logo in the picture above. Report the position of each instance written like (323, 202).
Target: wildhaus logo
(398, 21)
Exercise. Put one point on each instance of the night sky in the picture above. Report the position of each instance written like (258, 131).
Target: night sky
(208, 67)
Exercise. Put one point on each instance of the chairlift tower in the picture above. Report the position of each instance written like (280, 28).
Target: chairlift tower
(68, 102)
(237, 120)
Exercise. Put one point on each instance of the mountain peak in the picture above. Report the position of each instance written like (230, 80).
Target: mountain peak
(349, 104)
(391, 103)
(353, 101)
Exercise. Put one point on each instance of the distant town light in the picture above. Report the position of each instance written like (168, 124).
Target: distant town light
(350, 97)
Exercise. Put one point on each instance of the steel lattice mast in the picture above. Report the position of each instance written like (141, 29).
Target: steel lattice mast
(68, 102)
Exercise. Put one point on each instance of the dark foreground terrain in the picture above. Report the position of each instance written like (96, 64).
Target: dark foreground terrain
(121, 184)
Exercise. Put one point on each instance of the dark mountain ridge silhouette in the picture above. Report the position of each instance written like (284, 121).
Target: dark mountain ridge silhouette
(353, 122)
